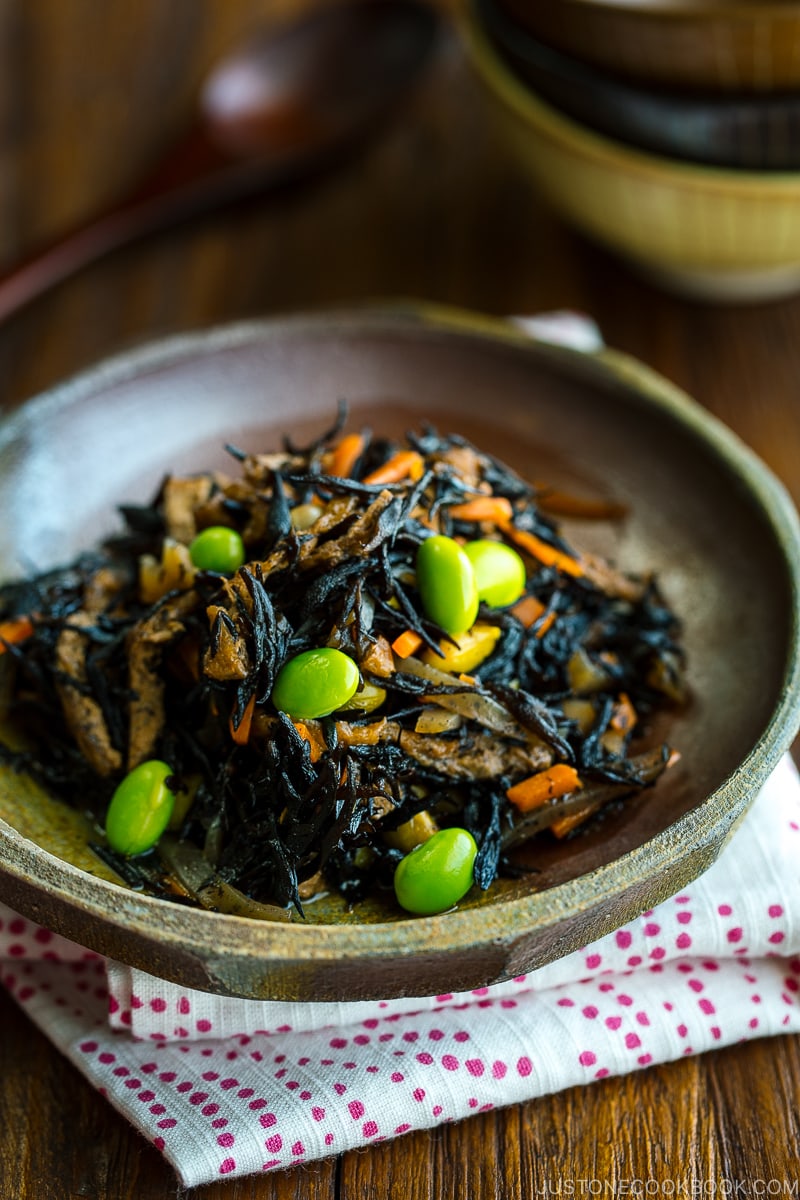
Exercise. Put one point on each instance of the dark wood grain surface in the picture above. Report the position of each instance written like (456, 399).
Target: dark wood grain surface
(88, 92)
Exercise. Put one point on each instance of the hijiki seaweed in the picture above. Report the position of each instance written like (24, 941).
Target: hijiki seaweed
(523, 725)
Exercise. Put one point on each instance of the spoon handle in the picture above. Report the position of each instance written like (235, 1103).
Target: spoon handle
(194, 177)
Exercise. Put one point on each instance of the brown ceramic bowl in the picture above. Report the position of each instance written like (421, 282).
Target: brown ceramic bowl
(754, 131)
(711, 45)
(703, 512)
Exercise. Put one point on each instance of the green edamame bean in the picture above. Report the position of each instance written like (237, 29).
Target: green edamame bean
(140, 808)
(436, 874)
(217, 549)
(446, 584)
(499, 571)
(315, 683)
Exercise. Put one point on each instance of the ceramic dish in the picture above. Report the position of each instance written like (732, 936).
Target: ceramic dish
(717, 233)
(753, 131)
(713, 45)
(703, 512)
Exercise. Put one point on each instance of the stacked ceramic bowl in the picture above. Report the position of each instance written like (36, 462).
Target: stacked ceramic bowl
(669, 130)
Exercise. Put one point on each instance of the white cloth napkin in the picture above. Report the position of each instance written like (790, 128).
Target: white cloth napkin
(230, 1087)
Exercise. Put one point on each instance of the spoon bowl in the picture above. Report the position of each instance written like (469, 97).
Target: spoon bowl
(316, 82)
(289, 103)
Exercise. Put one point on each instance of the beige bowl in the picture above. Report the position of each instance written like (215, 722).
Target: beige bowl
(713, 232)
(712, 45)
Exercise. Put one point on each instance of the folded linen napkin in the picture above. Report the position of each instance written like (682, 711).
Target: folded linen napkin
(231, 1087)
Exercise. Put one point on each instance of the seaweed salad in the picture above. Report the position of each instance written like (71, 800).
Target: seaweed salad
(331, 662)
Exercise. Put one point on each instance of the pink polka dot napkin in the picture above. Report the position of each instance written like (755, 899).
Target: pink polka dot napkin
(231, 1087)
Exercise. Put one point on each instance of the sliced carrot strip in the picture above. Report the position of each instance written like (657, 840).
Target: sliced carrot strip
(345, 455)
(545, 785)
(406, 464)
(407, 643)
(624, 717)
(14, 631)
(546, 624)
(564, 825)
(483, 508)
(315, 741)
(527, 610)
(546, 554)
(241, 732)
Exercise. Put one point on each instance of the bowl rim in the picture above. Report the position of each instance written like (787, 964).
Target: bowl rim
(584, 143)
(194, 930)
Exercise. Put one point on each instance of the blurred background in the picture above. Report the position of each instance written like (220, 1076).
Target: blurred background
(438, 208)
(91, 92)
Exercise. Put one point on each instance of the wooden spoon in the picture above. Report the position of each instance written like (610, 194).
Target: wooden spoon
(285, 105)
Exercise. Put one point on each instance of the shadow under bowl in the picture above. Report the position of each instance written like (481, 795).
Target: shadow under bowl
(703, 512)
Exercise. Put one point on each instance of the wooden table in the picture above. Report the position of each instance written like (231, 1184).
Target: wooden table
(87, 92)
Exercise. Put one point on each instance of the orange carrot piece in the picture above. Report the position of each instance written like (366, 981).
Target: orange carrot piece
(406, 464)
(483, 508)
(624, 716)
(546, 624)
(241, 732)
(315, 742)
(564, 825)
(14, 631)
(544, 786)
(407, 643)
(527, 610)
(546, 554)
(345, 455)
